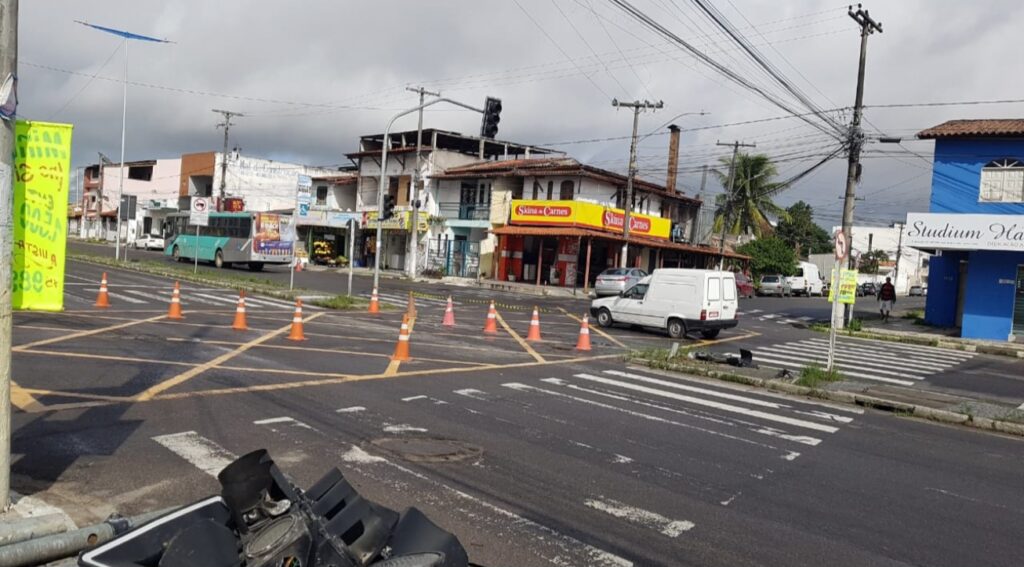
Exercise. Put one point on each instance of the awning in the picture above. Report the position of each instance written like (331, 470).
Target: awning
(518, 230)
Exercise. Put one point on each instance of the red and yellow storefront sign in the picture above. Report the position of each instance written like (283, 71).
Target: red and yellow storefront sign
(588, 215)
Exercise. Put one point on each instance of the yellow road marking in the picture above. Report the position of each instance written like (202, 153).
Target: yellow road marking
(39, 328)
(81, 334)
(108, 357)
(23, 400)
(727, 339)
(526, 346)
(40, 392)
(393, 366)
(595, 328)
(152, 391)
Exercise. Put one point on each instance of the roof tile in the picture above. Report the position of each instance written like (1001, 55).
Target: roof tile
(975, 128)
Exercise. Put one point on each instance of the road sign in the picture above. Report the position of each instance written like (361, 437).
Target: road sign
(840, 245)
(200, 212)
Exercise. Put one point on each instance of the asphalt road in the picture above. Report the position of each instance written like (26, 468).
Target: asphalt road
(551, 456)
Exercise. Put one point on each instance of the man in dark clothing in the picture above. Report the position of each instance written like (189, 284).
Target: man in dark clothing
(887, 295)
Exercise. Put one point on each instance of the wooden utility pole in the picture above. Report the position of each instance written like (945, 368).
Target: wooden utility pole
(728, 196)
(8, 68)
(228, 115)
(637, 106)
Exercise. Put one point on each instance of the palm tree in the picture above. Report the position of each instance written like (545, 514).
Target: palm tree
(747, 208)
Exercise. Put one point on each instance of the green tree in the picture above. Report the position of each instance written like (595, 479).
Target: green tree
(869, 261)
(747, 208)
(799, 230)
(770, 255)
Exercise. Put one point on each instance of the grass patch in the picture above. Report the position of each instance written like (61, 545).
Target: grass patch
(341, 302)
(855, 325)
(913, 314)
(813, 375)
(1013, 415)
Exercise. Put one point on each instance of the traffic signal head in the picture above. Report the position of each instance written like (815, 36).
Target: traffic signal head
(389, 208)
(492, 115)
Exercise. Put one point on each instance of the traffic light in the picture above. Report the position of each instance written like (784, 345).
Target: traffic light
(389, 207)
(492, 115)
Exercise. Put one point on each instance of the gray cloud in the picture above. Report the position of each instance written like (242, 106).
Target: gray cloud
(343, 67)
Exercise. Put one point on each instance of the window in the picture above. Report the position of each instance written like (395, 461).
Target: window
(140, 172)
(714, 289)
(729, 289)
(321, 195)
(565, 190)
(551, 190)
(1002, 181)
(639, 291)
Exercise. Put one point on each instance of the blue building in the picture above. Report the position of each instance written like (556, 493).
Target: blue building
(975, 228)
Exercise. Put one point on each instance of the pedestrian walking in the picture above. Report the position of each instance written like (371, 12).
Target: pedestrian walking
(887, 297)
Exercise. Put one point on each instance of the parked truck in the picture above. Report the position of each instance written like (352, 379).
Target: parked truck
(807, 280)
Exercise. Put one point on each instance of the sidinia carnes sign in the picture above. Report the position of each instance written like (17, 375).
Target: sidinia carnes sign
(588, 215)
(950, 231)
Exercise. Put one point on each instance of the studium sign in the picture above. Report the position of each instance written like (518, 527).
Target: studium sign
(951, 231)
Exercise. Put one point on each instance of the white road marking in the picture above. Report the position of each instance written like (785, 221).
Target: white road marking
(413, 398)
(621, 459)
(283, 419)
(712, 404)
(214, 298)
(206, 455)
(826, 415)
(120, 296)
(911, 348)
(471, 393)
(928, 358)
(351, 409)
(876, 364)
(678, 386)
(804, 439)
(797, 363)
(359, 456)
(402, 428)
(1020, 407)
(646, 518)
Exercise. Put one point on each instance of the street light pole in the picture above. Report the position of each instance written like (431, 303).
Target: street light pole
(417, 182)
(637, 106)
(384, 169)
(8, 68)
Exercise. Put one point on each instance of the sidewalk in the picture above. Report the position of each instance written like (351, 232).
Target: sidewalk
(907, 330)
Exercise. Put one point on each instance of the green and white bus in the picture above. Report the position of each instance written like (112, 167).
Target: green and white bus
(255, 239)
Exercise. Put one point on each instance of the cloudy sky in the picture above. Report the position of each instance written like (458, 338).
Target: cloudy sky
(313, 75)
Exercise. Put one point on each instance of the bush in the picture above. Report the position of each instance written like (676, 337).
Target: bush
(813, 374)
(769, 256)
(340, 302)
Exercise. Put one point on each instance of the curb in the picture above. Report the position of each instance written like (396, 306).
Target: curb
(903, 408)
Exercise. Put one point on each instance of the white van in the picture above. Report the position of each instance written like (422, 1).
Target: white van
(807, 281)
(679, 301)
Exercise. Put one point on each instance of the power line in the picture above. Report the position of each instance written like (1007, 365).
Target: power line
(590, 47)
(87, 83)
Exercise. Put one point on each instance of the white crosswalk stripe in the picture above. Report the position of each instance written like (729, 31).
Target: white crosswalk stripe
(119, 296)
(878, 361)
(189, 296)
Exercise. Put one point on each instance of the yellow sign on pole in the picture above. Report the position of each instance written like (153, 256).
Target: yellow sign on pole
(847, 286)
(42, 165)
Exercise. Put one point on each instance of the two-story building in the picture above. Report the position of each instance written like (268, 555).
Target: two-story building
(975, 228)
(325, 225)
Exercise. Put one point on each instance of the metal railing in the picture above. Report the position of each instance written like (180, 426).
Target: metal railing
(465, 211)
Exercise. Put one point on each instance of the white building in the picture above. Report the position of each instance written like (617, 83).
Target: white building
(913, 264)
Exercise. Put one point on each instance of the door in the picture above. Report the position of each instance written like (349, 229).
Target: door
(729, 303)
(630, 307)
(713, 297)
(1018, 304)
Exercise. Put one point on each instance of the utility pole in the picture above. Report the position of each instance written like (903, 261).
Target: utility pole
(856, 136)
(637, 106)
(228, 115)
(736, 145)
(8, 67)
(417, 186)
(899, 252)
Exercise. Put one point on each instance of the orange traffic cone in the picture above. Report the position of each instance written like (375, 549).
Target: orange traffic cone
(240, 323)
(374, 302)
(298, 265)
(174, 311)
(534, 334)
(296, 333)
(449, 314)
(491, 326)
(410, 309)
(402, 348)
(102, 300)
(584, 341)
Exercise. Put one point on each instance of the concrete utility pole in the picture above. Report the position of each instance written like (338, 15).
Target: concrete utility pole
(899, 252)
(228, 115)
(732, 185)
(856, 136)
(417, 186)
(637, 106)
(8, 67)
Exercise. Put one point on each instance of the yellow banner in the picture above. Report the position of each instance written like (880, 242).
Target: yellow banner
(847, 287)
(400, 220)
(588, 215)
(42, 164)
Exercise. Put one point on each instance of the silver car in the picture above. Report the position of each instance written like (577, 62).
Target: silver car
(615, 280)
(774, 285)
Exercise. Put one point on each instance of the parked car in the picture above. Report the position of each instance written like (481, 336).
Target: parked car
(149, 242)
(806, 281)
(916, 290)
(867, 289)
(744, 287)
(679, 301)
(774, 284)
(614, 281)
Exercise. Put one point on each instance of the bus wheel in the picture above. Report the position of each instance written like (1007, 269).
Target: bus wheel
(176, 253)
(218, 259)
(256, 266)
